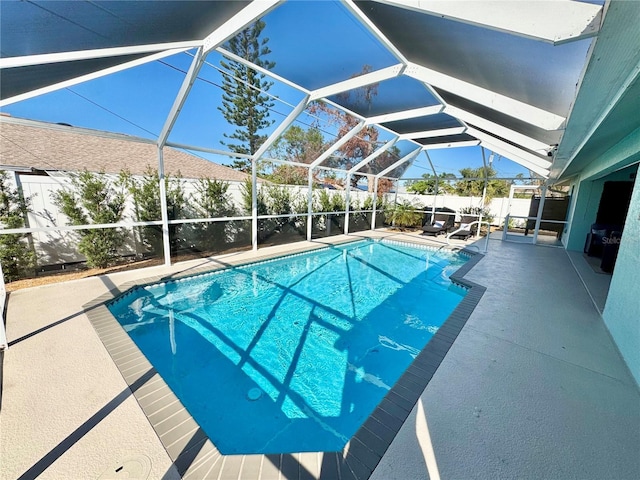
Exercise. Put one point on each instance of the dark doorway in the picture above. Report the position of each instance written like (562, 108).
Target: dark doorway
(614, 203)
(612, 213)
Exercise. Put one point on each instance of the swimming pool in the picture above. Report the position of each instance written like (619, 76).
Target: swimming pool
(293, 354)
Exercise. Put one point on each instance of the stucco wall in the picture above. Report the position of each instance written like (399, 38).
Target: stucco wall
(584, 213)
(620, 156)
(622, 310)
(587, 203)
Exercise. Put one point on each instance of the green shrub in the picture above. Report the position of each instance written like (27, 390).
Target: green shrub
(93, 199)
(17, 259)
(338, 203)
(404, 215)
(322, 201)
(485, 212)
(211, 201)
(278, 200)
(147, 207)
(246, 190)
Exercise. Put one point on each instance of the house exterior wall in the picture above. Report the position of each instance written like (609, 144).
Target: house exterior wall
(586, 207)
(622, 310)
(582, 211)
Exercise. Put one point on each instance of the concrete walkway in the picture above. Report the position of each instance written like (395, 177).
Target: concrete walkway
(532, 388)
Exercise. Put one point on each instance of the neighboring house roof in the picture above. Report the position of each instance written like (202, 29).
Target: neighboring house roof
(46, 146)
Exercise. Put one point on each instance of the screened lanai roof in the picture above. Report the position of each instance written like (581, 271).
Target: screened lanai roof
(500, 74)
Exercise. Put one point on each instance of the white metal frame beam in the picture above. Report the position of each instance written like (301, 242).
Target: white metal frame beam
(240, 20)
(164, 210)
(375, 31)
(374, 155)
(406, 114)
(262, 70)
(434, 133)
(366, 121)
(436, 146)
(357, 82)
(354, 169)
(236, 23)
(556, 22)
(543, 172)
(281, 128)
(178, 103)
(509, 106)
(345, 138)
(46, 58)
(254, 167)
(407, 158)
(326, 154)
(507, 147)
(375, 203)
(499, 130)
(181, 97)
(90, 76)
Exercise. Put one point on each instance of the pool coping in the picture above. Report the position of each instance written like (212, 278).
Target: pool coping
(194, 454)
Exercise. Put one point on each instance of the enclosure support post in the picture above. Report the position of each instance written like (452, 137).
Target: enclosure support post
(435, 194)
(505, 227)
(484, 194)
(254, 204)
(375, 203)
(310, 205)
(543, 194)
(166, 243)
(347, 200)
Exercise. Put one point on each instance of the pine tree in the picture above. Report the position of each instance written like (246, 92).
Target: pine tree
(244, 102)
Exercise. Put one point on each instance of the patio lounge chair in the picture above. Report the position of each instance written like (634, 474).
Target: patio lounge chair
(467, 230)
(442, 224)
(595, 241)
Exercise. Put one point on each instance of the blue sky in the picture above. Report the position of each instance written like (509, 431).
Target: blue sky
(137, 101)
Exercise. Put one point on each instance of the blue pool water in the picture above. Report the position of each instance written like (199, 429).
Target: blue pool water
(293, 354)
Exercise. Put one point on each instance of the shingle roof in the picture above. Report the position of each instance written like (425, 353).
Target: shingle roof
(46, 146)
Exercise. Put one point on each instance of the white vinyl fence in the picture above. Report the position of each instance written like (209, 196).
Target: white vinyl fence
(59, 247)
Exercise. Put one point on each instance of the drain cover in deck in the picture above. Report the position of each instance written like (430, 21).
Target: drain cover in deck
(132, 468)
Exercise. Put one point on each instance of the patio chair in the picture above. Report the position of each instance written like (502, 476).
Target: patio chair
(466, 229)
(441, 225)
(597, 238)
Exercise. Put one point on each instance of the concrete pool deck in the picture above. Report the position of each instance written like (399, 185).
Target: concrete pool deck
(532, 387)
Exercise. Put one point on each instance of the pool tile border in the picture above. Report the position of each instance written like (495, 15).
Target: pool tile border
(195, 456)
